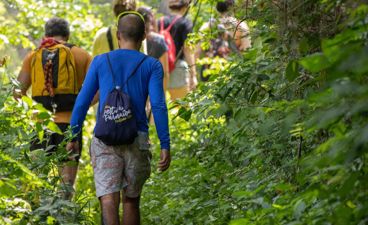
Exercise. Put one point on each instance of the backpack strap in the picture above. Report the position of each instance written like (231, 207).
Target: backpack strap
(72, 64)
(112, 72)
(69, 45)
(131, 75)
(109, 39)
(172, 23)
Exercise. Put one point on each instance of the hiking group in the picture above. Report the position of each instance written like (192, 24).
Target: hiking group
(134, 63)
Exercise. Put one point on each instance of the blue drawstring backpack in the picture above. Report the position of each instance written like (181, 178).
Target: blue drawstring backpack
(116, 124)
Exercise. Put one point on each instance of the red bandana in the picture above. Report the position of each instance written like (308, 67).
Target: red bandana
(48, 42)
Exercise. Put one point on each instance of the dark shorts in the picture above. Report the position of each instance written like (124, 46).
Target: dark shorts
(51, 142)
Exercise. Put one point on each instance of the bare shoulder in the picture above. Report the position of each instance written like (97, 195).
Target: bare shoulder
(28, 58)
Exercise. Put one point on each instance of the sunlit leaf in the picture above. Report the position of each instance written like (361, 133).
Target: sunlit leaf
(53, 127)
(315, 63)
(239, 222)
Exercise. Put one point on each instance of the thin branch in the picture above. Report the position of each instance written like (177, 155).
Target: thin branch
(237, 26)
(276, 4)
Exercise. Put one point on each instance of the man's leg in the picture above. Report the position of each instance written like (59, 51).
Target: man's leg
(178, 93)
(137, 171)
(131, 215)
(68, 174)
(69, 169)
(110, 208)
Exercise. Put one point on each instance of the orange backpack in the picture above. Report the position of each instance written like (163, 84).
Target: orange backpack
(54, 77)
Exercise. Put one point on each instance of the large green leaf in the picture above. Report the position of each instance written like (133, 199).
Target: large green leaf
(315, 62)
(242, 221)
(292, 70)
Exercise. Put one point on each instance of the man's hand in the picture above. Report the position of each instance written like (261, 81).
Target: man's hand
(73, 149)
(165, 160)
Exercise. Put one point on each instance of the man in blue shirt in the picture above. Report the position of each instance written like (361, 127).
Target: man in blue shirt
(124, 168)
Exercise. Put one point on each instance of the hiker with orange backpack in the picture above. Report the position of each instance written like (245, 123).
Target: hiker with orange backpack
(55, 71)
(175, 29)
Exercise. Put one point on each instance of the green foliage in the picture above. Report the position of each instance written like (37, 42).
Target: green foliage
(30, 191)
(280, 137)
(27, 18)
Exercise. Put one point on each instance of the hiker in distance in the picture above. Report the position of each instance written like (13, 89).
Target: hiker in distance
(182, 68)
(119, 150)
(105, 39)
(156, 45)
(63, 66)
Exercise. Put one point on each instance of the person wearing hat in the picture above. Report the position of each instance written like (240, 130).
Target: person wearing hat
(184, 77)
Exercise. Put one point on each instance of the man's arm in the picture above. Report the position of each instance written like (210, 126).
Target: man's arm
(190, 59)
(82, 103)
(84, 99)
(24, 77)
(87, 64)
(164, 59)
(189, 55)
(159, 110)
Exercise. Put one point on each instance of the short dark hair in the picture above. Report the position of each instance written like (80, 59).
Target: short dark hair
(57, 27)
(131, 27)
(224, 6)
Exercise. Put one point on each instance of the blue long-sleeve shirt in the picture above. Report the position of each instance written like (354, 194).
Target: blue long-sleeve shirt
(148, 80)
